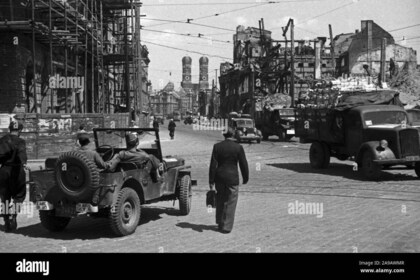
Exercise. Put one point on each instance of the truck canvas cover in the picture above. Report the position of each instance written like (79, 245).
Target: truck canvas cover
(382, 97)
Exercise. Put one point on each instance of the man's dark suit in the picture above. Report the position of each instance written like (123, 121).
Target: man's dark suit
(224, 172)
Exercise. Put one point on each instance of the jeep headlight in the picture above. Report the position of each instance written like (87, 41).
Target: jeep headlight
(240, 133)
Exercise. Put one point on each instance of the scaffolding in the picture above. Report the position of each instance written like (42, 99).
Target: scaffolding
(98, 41)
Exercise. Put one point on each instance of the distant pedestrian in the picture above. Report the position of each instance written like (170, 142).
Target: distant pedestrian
(156, 124)
(171, 128)
(80, 131)
(224, 173)
(13, 159)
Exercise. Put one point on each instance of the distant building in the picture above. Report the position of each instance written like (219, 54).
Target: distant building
(192, 93)
(354, 50)
(165, 101)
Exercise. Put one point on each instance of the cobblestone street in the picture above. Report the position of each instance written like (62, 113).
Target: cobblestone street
(357, 216)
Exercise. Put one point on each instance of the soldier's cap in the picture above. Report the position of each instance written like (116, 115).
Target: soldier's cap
(82, 136)
(131, 138)
(15, 126)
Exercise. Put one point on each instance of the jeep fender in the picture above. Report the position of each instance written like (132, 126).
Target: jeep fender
(107, 196)
(379, 154)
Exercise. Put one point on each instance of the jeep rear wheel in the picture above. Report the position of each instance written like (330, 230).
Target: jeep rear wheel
(53, 223)
(185, 195)
(76, 175)
(319, 155)
(125, 213)
(370, 170)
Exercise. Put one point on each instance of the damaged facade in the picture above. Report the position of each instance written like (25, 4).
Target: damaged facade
(260, 74)
(354, 50)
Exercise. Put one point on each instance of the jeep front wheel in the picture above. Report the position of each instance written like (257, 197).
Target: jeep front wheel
(125, 213)
(53, 223)
(185, 195)
(370, 170)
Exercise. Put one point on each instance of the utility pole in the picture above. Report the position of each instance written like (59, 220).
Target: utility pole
(332, 49)
(383, 60)
(292, 58)
(139, 57)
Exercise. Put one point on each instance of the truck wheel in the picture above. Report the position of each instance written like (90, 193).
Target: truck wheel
(76, 175)
(369, 169)
(53, 223)
(265, 136)
(125, 213)
(185, 195)
(327, 155)
(258, 141)
(317, 155)
(417, 169)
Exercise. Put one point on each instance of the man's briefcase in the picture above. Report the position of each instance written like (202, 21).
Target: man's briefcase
(211, 199)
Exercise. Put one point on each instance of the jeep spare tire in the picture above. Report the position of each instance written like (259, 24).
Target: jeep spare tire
(76, 175)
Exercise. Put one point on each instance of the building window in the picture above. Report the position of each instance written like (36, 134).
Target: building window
(300, 64)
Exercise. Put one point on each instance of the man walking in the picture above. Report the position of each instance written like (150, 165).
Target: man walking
(171, 128)
(224, 173)
(13, 161)
(156, 124)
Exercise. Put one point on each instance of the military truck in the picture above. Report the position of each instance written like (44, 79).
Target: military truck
(370, 128)
(276, 122)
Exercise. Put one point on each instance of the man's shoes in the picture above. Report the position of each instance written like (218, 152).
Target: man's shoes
(222, 230)
(10, 223)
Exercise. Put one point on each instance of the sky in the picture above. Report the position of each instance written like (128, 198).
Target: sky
(212, 35)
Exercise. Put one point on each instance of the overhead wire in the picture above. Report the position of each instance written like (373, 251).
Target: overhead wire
(188, 51)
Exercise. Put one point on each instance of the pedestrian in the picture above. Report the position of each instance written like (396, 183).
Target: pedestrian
(156, 124)
(13, 159)
(224, 173)
(80, 131)
(171, 128)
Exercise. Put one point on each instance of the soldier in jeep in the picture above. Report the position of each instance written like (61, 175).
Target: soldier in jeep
(135, 155)
(83, 139)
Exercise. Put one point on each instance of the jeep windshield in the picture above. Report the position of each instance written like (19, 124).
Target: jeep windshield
(116, 138)
(245, 123)
(385, 118)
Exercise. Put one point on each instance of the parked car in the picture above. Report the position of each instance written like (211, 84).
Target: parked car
(189, 120)
(244, 128)
(71, 185)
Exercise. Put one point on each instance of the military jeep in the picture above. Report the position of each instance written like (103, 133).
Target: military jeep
(71, 185)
